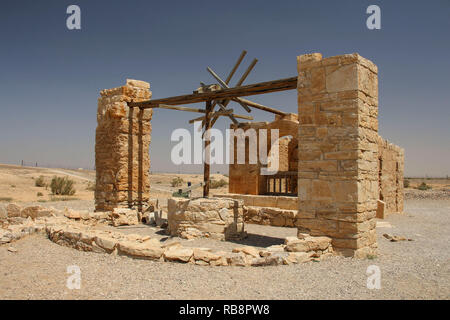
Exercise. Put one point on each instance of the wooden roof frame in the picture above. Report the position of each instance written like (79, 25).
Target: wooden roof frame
(221, 97)
(228, 93)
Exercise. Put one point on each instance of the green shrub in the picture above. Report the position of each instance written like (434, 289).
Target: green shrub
(176, 182)
(62, 186)
(423, 186)
(406, 183)
(39, 194)
(40, 182)
(180, 195)
(218, 184)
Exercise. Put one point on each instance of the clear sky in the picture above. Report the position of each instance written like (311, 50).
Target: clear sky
(50, 77)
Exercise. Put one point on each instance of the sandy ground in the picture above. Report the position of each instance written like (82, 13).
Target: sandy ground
(410, 269)
(17, 184)
(418, 269)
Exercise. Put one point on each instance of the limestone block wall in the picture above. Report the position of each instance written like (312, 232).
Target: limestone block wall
(246, 178)
(281, 202)
(391, 165)
(122, 144)
(216, 218)
(338, 150)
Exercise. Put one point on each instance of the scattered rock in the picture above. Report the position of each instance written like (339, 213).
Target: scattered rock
(298, 257)
(13, 210)
(272, 260)
(106, 242)
(393, 238)
(3, 212)
(307, 244)
(252, 251)
(276, 248)
(124, 217)
(12, 249)
(71, 214)
(146, 249)
(178, 253)
(239, 259)
(205, 256)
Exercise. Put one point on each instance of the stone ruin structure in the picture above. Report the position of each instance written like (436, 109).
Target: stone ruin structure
(122, 141)
(220, 219)
(247, 179)
(336, 173)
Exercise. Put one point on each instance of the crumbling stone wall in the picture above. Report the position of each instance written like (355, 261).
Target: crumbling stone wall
(246, 178)
(216, 218)
(391, 165)
(122, 143)
(338, 151)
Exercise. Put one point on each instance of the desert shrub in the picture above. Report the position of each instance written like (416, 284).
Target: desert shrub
(39, 194)
(40, 182)
(13, 186)
(6, 199)
(62, 186)
(176, 182)
(90, 186)
(218, 183)
(406, 183)
(180, 195)
(423, 186)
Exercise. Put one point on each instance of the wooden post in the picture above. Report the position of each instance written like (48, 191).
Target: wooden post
(207, 151)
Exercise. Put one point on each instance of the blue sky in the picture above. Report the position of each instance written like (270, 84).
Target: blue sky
(51, 77)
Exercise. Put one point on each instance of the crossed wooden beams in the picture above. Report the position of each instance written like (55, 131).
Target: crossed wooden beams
(221, 95)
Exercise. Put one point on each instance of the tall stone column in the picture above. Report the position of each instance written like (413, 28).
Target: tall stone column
(338, 162)
(122, 144)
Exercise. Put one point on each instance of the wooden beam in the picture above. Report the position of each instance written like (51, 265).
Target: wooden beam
(225, 86)
(165, 106)
(244, 102)
(260, 106)
(248, 90)
(244, 76)
(206, 170)
(240, 82)
(236, 66)
(215, 115)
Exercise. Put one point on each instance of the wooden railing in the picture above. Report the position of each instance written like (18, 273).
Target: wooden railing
(282, 183)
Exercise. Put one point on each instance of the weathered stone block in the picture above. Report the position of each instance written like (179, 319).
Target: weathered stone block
(122, 146)
(218, 218)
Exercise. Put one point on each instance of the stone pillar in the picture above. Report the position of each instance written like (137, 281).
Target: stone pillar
(122, 144)
(338, 163)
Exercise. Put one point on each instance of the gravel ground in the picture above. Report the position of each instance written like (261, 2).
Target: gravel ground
(414, 194)
(409, 269)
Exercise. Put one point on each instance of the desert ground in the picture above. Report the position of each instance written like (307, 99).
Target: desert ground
(37, 267)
